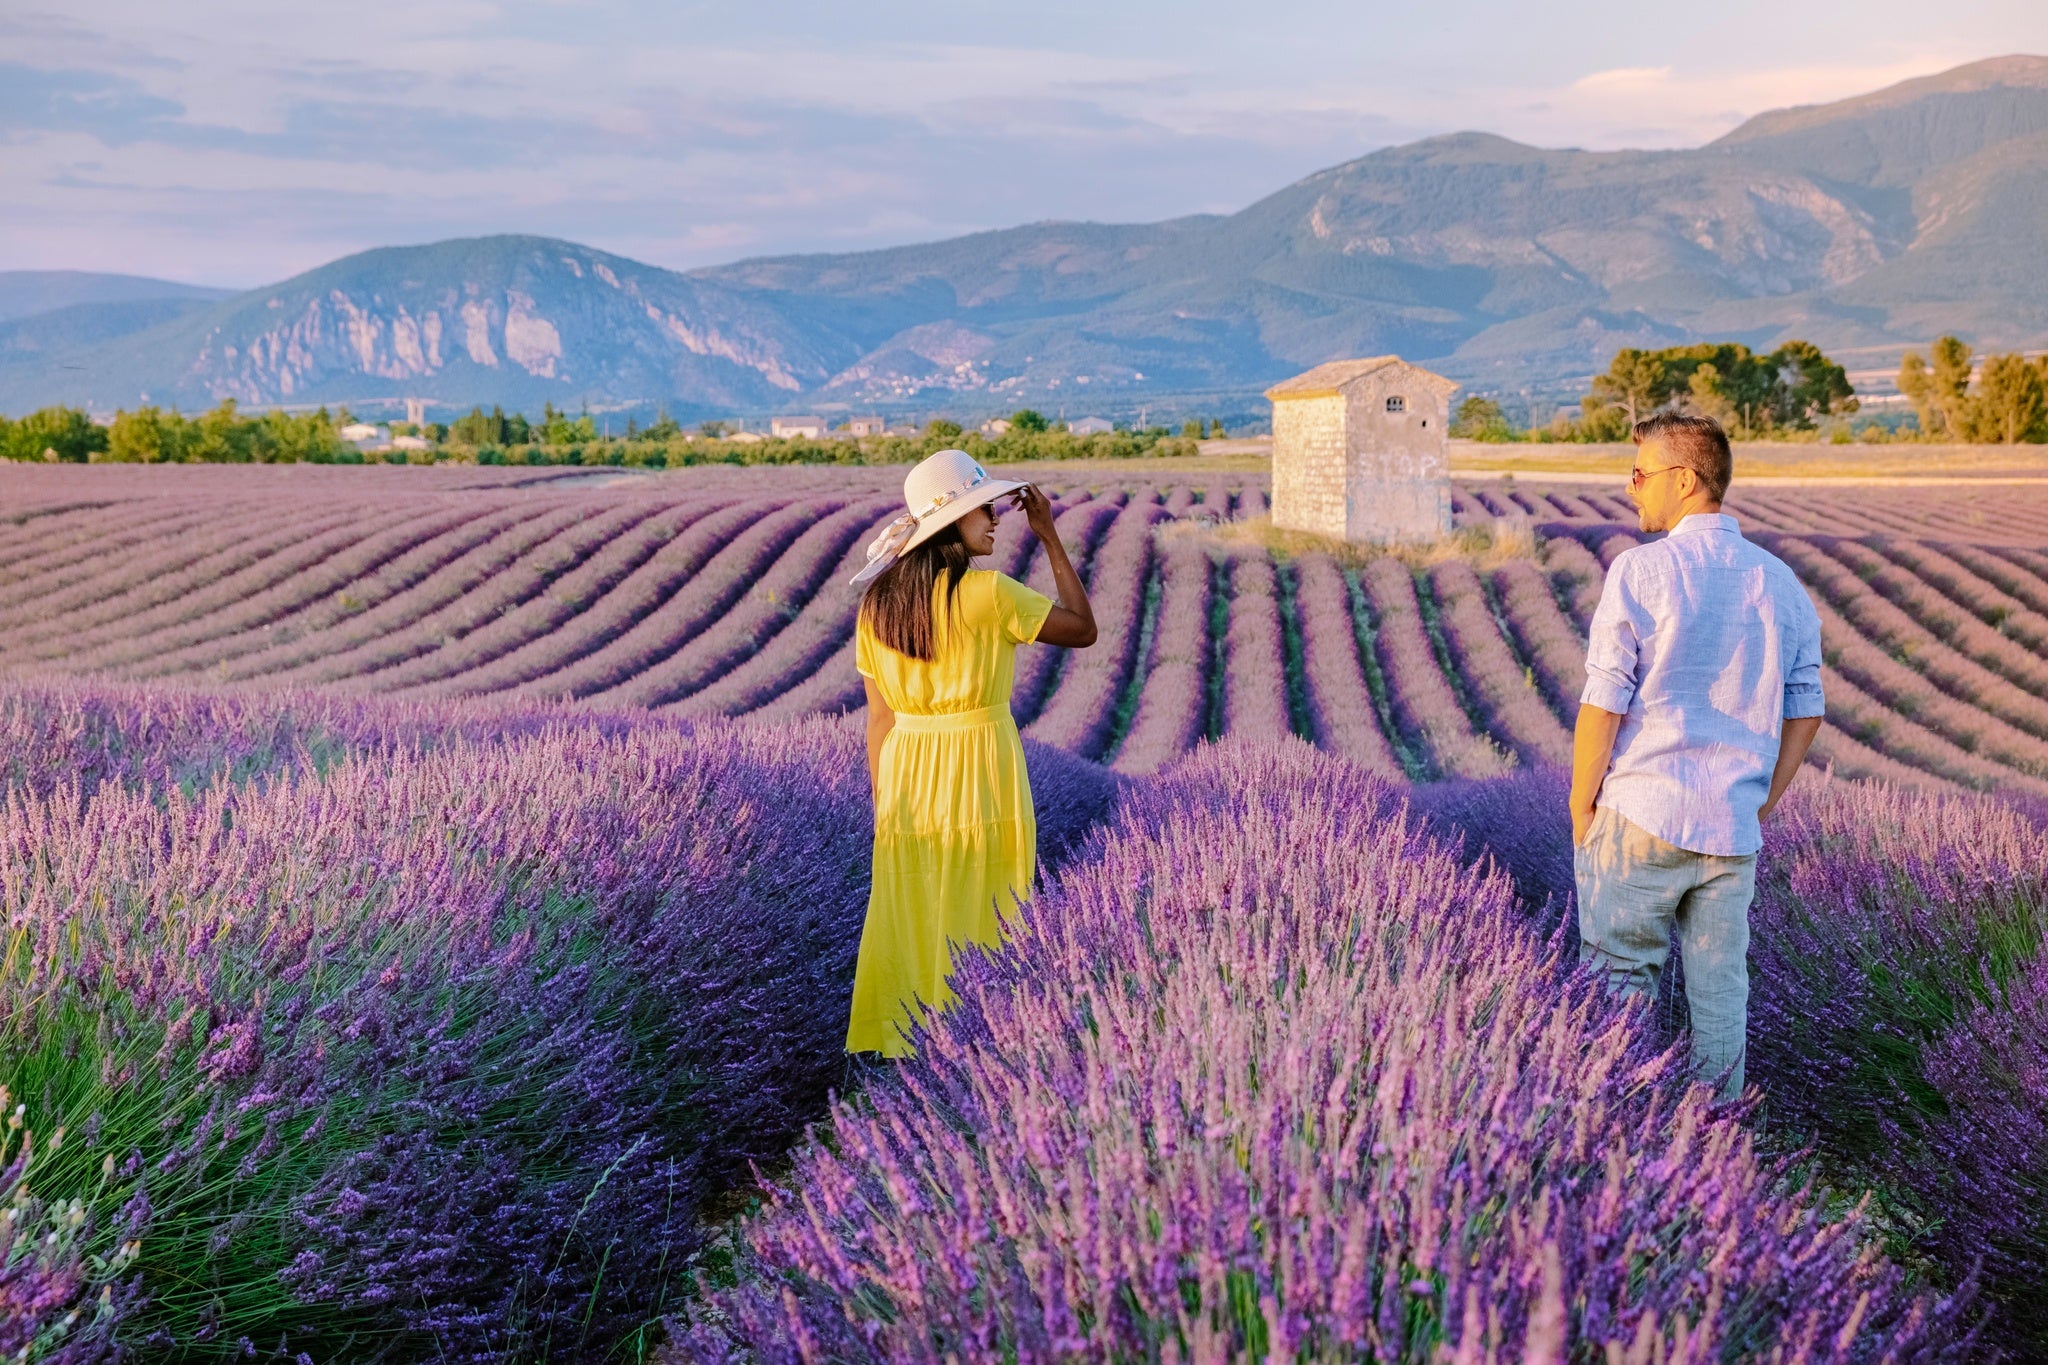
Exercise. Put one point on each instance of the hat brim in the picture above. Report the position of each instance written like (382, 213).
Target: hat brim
(958, 508)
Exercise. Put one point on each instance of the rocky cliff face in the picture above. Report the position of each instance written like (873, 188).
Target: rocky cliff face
(1877, 220)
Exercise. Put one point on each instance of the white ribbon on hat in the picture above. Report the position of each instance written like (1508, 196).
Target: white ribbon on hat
(884, 548)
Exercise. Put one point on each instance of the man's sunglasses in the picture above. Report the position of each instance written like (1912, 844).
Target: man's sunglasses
(1638, 477)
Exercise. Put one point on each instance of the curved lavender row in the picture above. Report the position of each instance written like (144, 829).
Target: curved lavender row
(740, 599)
(218, 617)
(690, 536)
(1886, 625)
(76, 579)
(700, 573)
(1257, 1081)
(255, 598)
(808, 643)
(1081, 712)
(1081, 527)
(1580, 573)
(1179, 500)
(300, 606)
(624, 549)
(1547, 637)
(1516, 712)
(1252, 501)
(524, 565)
(44, 560)
(1976, 734)
(1175, 698)
(1433, 722)
(1347, 720)
(1254, 652)
(768, 606)
(1999, 584)
(1960, 630)
(418, 583)
(23, 524)
(507, 1015)
(251, 568)
(135, 582)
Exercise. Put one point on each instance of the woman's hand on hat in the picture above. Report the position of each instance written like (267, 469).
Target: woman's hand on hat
(1037, 511)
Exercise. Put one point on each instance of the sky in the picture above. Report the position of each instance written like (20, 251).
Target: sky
(237, 142)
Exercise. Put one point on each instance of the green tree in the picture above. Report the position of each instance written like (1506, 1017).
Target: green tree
(1953, 361)
(475, 429)
(1636, 382)
(1192, 428)
(1029, 421)
(52, 433)
(1810, 385)
(1916, 381)
(220, 436)
(939, 429)
(148, 436)
(2010, 404)
(1216, 431)
(1480, 419)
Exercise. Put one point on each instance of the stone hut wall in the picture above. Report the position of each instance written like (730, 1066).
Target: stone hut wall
(1310, 465)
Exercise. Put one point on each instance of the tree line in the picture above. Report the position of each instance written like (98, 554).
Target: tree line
(1790, 393)
(2003, 401)
(224, 434)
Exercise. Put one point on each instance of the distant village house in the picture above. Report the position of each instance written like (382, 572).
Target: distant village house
(866, 426)
(1090, 426)
(812, 427)
(995, 426)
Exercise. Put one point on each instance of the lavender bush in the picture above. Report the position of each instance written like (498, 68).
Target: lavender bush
(1274, 1075)
(445, 1050)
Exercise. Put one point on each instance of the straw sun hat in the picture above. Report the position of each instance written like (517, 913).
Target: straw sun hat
(939, 491)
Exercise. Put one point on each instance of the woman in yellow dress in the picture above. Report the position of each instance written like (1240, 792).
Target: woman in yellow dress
(956, 838)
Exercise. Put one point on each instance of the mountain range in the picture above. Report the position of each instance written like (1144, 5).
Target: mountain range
(1863, 225)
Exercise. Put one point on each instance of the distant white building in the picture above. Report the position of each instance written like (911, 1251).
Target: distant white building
(364, 436)
(411, 443)
(995, 426)
(813, 427)
(1090, 426)
(745, 438)
(866, 426)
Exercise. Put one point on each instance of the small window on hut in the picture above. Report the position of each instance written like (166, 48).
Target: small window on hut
(1397, 404)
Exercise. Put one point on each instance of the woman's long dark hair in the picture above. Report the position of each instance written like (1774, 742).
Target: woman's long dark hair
(898, 604)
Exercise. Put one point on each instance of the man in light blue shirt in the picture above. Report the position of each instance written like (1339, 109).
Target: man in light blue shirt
(1702, 696)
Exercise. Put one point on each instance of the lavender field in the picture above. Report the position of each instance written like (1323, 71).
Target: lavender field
(431, 897)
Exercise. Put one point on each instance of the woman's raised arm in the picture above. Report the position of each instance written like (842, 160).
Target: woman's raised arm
(1071, 623)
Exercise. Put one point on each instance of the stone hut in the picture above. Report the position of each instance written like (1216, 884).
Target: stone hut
(1362, 451)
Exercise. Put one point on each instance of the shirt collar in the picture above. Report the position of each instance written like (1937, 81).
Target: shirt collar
(1706, 521)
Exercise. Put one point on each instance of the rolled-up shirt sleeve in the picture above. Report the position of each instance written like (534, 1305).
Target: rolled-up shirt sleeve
(1803, 695)
(1611, 645)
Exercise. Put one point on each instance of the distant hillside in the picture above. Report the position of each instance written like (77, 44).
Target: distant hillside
(1872, 222)
(25, 292)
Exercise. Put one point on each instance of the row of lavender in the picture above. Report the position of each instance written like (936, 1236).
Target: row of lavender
(347, 1031)
(1274, 1073)
(721, 598)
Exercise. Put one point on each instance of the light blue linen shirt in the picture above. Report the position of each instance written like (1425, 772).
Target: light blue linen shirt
(1706, 645)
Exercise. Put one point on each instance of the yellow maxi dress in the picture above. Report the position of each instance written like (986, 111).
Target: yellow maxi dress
(956, 838)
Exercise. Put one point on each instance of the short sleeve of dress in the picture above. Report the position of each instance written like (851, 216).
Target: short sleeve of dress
(863, 649)
(1020, 610)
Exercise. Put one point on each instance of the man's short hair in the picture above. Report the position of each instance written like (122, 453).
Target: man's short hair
(1696, 442)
